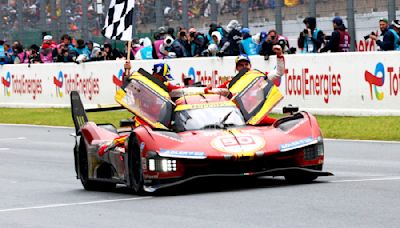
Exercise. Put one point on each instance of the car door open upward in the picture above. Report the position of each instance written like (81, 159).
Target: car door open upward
(254, 95)
(147, 98)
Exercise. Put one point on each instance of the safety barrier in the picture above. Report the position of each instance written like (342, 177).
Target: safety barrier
(337, 84)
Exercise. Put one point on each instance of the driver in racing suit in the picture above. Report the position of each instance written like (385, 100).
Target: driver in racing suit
(161, 71)
(243, 61)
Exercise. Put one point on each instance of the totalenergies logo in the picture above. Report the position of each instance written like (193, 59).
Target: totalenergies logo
(117, 80)
(377, 80)
(59, 83)
(6, 83)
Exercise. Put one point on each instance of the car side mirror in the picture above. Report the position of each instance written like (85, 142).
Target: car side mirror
(290, 109)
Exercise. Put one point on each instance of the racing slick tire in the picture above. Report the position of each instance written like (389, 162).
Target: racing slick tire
(135, 168)
(90, 185)
(302, 178)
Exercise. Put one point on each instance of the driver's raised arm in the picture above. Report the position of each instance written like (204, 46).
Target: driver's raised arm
(280, 64)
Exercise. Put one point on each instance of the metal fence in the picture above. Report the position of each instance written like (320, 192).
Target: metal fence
(30, 20)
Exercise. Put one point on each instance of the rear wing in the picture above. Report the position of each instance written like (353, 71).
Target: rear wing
(78, 112)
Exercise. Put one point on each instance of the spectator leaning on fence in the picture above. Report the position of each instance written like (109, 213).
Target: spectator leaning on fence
(233, 38)
(311, 38)
(46, 51)
(247, 45)
(387, 43)
(196, 41)
(396, 33)
(340, 38)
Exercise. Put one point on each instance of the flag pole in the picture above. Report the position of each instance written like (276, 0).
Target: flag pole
(127, 64)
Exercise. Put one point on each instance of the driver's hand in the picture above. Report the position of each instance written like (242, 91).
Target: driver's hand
(277, 49)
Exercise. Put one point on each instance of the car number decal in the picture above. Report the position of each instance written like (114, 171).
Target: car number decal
(238, 144)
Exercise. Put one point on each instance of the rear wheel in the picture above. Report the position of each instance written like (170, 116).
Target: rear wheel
(135, 165)
(90, 185)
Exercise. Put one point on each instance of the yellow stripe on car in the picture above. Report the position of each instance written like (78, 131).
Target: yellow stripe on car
(273, 98)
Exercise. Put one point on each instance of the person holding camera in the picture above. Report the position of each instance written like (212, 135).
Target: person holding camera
(183, 40)
(311, 38)
(171, 48)
(65, 51)
(387, 43)
(340, 38)
(273, 38)
(196, 42)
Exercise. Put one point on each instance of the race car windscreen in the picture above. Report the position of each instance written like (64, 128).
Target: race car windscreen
(144, 101)
(208, 118)
(253, 98)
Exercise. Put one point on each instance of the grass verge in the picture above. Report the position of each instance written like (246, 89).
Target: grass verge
(341, 127)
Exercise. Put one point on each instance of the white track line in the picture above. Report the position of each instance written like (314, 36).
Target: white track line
(367, 179)
(358, 140)
(32, 125)
(17, 138)
(72, 204)
(3, 149)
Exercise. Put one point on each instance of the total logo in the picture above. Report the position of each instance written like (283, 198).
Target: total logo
(376, 81)
(21, 85)
(65, 83)
(6, 84)
(117, 80)
(59, 84)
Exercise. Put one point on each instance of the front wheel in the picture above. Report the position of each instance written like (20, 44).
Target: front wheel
(135, 165)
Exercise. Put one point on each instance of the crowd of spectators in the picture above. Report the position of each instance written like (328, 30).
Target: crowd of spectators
(229, 40)
(220, 40)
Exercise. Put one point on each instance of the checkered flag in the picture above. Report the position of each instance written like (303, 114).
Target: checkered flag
(119, 23)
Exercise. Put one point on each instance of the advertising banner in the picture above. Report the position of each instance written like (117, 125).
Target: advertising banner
(338, 84)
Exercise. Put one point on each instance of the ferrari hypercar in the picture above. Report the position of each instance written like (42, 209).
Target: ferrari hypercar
(188, 134)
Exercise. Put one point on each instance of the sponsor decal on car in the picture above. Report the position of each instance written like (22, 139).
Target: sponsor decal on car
(238, 143)
(297, 144)
(182, 154)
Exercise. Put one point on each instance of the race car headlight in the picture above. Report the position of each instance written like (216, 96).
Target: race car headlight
(314, 151)
(162, 165)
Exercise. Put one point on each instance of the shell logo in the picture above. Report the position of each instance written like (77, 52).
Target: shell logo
(238, 144)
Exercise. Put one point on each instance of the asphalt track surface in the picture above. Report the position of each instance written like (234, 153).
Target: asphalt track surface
(38, 189)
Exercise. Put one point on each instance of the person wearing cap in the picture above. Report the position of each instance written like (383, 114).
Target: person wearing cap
(340, 38)
(311, 38)
(388, 41)
(247, 45)
(46, 50)
(242, 61)
(158, 41)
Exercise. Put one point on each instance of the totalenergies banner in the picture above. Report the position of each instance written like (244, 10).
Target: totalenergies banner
(338, 84)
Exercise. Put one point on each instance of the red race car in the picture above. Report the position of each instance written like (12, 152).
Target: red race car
(195, 135)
